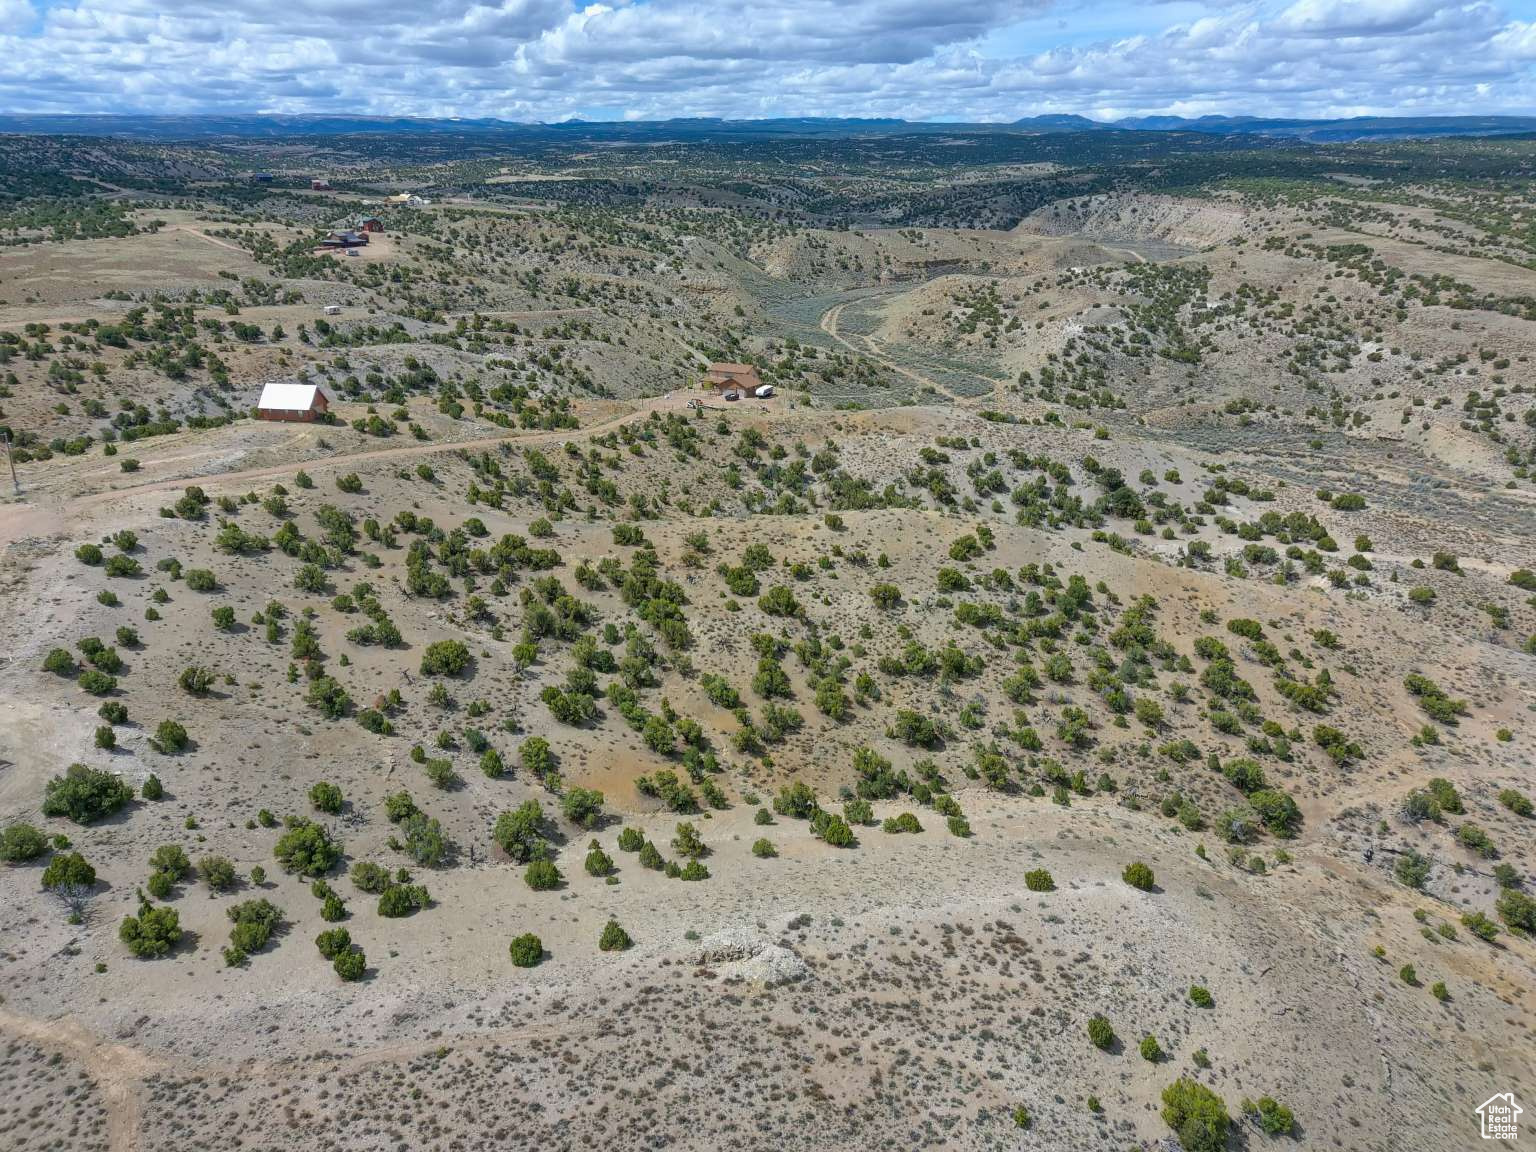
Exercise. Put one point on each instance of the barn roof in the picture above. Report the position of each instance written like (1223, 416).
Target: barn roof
(278, 397)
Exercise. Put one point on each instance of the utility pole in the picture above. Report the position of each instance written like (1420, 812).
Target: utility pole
(11, 460)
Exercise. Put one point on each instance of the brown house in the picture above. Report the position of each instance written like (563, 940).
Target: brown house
(303, 402)
(721, 378)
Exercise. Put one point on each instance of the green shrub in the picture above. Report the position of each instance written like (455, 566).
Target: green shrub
(1412, 869)
(1516, 909)
(1480, 926)
(333, 942)
(520, 833)
(59, 662)
(1516, 802)
(326, 797)
(542, 875)
(1139, 875)
(402, 899)
(351, 965)
(583, 806)
(687, 842)
(21, 842)
(526, 950)
(155, 931)
(170, 860)
(536, 757)
(1201, 997)
(85, 794)
(613, 938)
(598, 862)
(96, 682)
(1471, 836)
(153, 789)
(832, 829)
(445, 658)
(858, 811)
(160, 885)
(1101, 1032)
(328, 697)
(763, 848)
(1151, 1051)
(307, 848)
(201, 580)
(254, 922)
(196, 680)
(796, 800)
(1039, 880)
(631, 839)
(905, 822)
(218, 872)
(1275, 1118)
(1197, 1115)
(779, 601)
(425, 841)
(169, 738)
(370, 877)
(69, 868)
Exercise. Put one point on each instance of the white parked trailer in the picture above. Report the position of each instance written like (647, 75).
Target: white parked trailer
(764, 392)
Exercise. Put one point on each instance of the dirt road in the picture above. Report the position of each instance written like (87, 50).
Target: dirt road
(829, 321)
(243, 477)
(210, 239)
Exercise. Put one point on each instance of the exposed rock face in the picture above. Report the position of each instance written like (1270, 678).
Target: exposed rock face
(1139, 220)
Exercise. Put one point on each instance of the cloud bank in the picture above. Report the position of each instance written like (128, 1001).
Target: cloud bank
(917, 59)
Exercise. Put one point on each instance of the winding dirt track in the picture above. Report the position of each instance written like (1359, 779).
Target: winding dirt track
(331, 463)
(118, 1070)
(210, 239)
(829, 321)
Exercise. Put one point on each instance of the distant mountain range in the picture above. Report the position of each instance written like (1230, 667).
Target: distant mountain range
(256, 126)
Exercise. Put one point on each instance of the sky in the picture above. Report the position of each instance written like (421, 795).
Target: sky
(969, 60)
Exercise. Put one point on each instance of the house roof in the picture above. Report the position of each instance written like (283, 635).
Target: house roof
(282, 397)
(722, 369)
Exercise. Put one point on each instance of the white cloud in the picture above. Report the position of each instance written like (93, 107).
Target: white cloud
(545, 59)
(16, 14)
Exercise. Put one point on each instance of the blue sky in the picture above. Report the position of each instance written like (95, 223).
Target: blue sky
(919, 59)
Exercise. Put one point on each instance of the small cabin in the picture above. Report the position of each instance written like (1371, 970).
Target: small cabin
(721, 378)
(370, 224)
(303, 402)
(319, 184)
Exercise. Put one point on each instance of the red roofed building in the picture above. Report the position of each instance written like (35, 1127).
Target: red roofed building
(721, 378)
